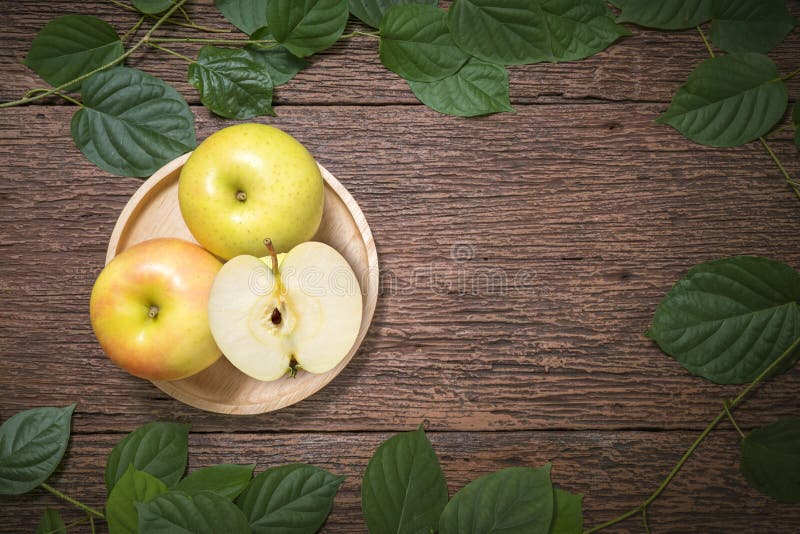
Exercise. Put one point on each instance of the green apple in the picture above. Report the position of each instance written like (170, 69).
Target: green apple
(302, 314)
(148, 309)
(248, 181)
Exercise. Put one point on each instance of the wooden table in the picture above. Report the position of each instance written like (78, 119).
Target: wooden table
(522, 258)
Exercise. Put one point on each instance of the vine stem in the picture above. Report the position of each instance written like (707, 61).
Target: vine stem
(705, 41)
(88, 509)
(356, 33)
(735, 402)
(133, 29)
(791, 75)
(188, 24)
(794, 185)
(727, 407)
(211, 41)
(115, 61)
(169, 51)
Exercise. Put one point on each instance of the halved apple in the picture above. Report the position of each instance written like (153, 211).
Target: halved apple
(272, 320)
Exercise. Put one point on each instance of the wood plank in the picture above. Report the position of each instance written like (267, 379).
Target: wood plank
(649, 66)
(615, 471)
(583, 224)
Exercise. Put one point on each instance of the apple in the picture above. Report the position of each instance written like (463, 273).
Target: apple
(247, 181)
(302, 314)
(148, 309)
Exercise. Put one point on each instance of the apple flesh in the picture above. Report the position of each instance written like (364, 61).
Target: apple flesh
(247, 181)
(148, 309)
(305, 316)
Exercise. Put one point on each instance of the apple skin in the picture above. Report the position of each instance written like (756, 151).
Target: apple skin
(174, 275)
(282, 186)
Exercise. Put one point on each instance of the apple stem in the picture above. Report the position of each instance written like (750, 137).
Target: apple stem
(271, 248)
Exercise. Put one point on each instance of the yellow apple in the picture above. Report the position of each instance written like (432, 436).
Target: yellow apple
(149, 309)
(247, 181)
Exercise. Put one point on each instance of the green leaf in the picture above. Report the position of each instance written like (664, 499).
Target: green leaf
(416, 44)
(51, 523)
(289, 499)
(478, 88)
(231, 84)
(796, 121)
(403, 489)
(151, 7)
(728, 320)
(204, 513)
(305, 27)
(70, 46)
(160, 449)
(32, 444)
(132, 123)
(664, 14)
(728, 100)
(516, 500)
(750, 25)
(228, 480)
(515, 32)
(372, 11)
(281, 64)
(567, 512)
(134, 486)
(771, 460)
(247, 15)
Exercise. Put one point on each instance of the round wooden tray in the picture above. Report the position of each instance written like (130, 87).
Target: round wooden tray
(153, 211)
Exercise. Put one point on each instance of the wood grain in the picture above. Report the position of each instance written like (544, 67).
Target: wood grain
(648, 66)
(615, 472)
(520, 267)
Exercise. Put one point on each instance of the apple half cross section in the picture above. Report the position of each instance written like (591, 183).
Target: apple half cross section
(302, 314)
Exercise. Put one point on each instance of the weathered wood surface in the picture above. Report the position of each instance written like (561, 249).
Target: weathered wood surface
(648, 66)
(587, 227)
(522, 258)
(614, 471)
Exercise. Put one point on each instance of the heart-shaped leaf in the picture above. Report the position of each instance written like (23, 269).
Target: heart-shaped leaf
(160, 449)
(134, 486)
(132, 123)
(515, 32)
(289, 499)
(750, 25)
(307, 26)
(51, 523)
(228, 480)
(664, 14)
(416, 43)
(204, 513)
(231, 84)
(70, 46)
(771, 460)
(247, 15)
(478, 88)
(728, 320)
(32, 444)
(403, 489)
(372, 11)
(567, 512)
(728, 100)
(516, 500)
(281, 64)
(151, 7)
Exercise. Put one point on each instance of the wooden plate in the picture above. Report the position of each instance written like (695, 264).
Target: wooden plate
(153, 211)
